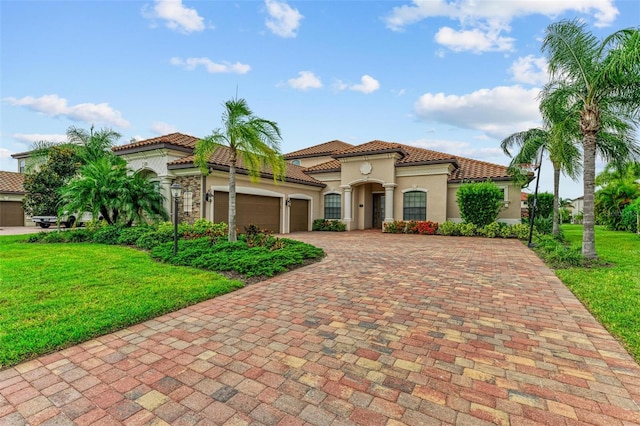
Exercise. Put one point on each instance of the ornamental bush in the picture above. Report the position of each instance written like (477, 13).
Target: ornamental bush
(333, 225)
(479, 202)
(544, 204)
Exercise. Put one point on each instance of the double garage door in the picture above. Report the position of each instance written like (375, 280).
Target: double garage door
(263, 212)
(11, 213)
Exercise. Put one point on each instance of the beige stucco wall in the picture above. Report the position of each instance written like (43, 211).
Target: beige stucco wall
(312, 161)
(219, 181)
(435, 187)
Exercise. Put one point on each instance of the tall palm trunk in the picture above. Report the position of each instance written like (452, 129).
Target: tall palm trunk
(589, 126)
(232, 196)
(556, 200)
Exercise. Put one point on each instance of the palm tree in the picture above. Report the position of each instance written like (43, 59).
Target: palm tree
(253, 140)
(93, 144)
(562, 151)
(600, 79)
(107, 189)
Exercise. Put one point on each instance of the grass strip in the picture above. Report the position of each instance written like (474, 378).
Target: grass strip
(612, 292)
(55, 295)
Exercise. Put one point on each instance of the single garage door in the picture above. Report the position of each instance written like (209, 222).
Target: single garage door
(11, 213)
(299, 220)
(264, 212)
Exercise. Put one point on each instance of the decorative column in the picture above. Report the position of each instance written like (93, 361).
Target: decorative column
(347, 202)
(388, 201)
(165, 190)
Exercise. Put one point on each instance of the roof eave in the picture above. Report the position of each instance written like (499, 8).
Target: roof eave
(482, 179)
(372, 152)
(452, 161)
(222, 168)
(152, 147)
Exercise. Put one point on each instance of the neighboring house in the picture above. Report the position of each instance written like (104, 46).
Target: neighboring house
(577, 208)
(11, 194)
(524, 207)
(363, 185)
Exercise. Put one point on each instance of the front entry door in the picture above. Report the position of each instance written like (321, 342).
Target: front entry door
(378, 211)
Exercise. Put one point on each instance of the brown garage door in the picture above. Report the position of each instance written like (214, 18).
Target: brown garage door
(11, 213)
(299, 215)
(264, 212)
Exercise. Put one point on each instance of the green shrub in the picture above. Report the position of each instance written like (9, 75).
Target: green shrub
(95, 224)
(544, 225)
(395, 227)
(492, 230)
(544, 205)
(80, 235)
(449, 229)
(468, 229)
(154, 238)
(129, 236)
(204, 228)
(107, 235)
(520, 231)
(56, 237)
(238, 256)
(333, 225)
(630, 217)
(479, 202)
(556, 254)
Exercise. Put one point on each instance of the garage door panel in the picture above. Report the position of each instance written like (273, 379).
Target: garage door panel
(299, 215)
(11, 213)
(263, 212)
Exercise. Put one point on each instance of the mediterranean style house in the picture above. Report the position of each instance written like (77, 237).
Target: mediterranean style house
(364, 185)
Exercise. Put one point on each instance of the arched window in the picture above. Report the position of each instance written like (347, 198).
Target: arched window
(332, 208)
(415, 205)
(295, 162)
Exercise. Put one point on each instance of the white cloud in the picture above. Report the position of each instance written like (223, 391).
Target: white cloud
(54, 106)
(530, 70)
(5, 154)
(35, 137)
(367, 85)
(474, 40)
(497, 112)
(162, 128)
(176, 16)
(212, 67)
(482, 23)
(283, 20)
(306, 80)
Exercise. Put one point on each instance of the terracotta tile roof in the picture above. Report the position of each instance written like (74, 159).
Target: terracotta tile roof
(329, 166)
(465, 168)
(524, 196)
(12, 182)
(478, 170)
(326, 148)
(373, 147)
(219, 160)
(175, 139)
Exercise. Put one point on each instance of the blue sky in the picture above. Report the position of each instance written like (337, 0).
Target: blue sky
(450, 75)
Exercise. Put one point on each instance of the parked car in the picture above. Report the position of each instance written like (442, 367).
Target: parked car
(68, 221)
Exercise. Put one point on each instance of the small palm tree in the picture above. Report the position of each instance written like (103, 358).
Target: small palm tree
(600, 80)
(254, 140)
(562, 151)
(107, 189)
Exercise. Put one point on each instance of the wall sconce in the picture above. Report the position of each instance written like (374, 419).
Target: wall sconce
(288, 202)
(208, 197)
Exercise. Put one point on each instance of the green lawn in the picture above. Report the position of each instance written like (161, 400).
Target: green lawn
(55, 295)
(612, 293)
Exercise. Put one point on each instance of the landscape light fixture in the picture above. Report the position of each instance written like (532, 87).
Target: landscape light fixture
(176, 192)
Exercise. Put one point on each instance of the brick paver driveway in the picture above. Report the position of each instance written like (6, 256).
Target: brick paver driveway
(388, 329)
